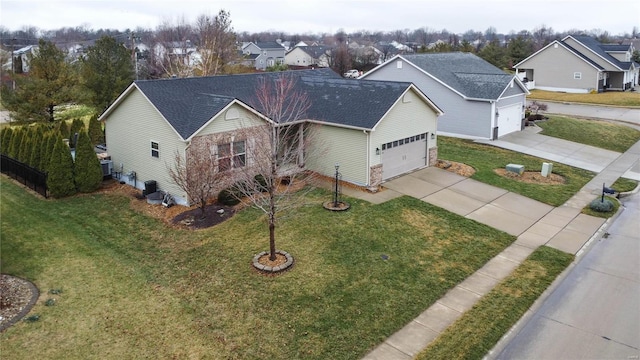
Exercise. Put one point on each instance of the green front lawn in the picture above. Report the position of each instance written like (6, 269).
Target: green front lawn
(480, 328)
(600, 134)
(485, 159)
(131, 287)
(616, 98)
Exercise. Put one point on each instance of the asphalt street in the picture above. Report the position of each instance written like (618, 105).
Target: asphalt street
(594, 312)
(628, 115)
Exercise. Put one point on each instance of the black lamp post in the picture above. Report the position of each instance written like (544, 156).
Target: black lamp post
(335, 194)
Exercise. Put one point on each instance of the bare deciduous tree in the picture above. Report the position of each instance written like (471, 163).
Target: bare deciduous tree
(217, 43)
(276, 151)
(196, 173)
(172, 48)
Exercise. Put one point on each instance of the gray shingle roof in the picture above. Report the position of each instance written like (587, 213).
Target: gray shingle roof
(269, 45)
(600, 49)
(315, 51)
(189, 103)
(466, 73)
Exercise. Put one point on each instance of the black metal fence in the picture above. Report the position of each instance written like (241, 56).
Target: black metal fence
(30, 177)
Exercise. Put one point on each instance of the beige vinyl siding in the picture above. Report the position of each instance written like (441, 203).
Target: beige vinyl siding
(347, 147)
(227, 120)
(129, 131)
(298, 57)
(555, 68)
(410, 116)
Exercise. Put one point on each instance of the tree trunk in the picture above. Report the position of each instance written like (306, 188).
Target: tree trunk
(51, 107)
(272, 241)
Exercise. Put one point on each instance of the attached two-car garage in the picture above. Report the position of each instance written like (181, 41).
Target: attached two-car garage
(403, 155)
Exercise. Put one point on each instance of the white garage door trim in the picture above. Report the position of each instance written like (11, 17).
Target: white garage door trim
(509, 119)
(404, 155)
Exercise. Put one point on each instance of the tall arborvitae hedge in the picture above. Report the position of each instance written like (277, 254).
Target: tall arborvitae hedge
(63, 129)
(60, 179)
(14, 146)
(36, 146)
(77, 126)
(87, 171)
(48, 151)
(6, 140)
(45, 152)
(25, 145)
(95, 131)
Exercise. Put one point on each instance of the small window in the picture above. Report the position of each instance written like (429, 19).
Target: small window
(406, 140)
(384, 146)
(423, 136)
(395, 143)
(399, 64)
(401, 142)
(577, 75)
(155, 149)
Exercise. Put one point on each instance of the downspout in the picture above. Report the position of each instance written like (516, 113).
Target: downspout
(368, 135)
(494, 120)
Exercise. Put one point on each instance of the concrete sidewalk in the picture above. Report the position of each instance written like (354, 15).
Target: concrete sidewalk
(536, 224)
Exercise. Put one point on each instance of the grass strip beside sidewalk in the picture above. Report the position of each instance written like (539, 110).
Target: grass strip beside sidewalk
(479, 329)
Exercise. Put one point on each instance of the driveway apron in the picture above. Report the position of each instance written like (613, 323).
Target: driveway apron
(498, 208)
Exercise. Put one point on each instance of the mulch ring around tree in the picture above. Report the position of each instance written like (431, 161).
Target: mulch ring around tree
(17, 297)
(213, 215)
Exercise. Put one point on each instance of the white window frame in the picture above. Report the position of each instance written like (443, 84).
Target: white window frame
(577, 75)
(155, 150)
(236, 159)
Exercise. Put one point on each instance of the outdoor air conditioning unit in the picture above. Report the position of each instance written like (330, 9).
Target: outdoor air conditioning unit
(107, 168)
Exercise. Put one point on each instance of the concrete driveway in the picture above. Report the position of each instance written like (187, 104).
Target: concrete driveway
(498, 208)
(530, 142)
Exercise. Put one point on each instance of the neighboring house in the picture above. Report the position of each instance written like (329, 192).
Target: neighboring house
(316, 56)
(19, 61)
(580, 64)
(183, 51)
(267, 53)
(479, 100)
(374, 130)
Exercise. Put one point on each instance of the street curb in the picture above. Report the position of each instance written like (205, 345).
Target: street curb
(581, 103)
(517, 327)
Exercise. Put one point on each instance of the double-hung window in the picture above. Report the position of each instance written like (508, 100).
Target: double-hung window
(155, 149)
(231, 155)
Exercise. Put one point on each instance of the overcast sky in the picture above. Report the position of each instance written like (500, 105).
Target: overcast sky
(328, 16)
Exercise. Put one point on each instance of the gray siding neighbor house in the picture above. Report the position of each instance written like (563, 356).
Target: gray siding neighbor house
(375, 130)
(479, 100)
(580, 64)
(264, 54)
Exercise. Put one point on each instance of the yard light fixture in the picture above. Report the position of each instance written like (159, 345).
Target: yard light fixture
(377, 151)
(335, 194)
(433, 136)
